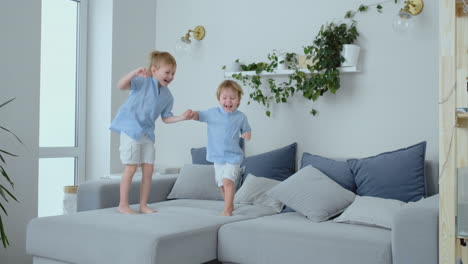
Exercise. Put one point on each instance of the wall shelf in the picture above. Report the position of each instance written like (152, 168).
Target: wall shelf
(286, 72)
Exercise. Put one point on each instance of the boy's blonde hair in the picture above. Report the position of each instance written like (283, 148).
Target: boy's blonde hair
(229, 84)
(158, 58)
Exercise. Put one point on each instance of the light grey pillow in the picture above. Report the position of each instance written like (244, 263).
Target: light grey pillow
(196, 182)
(253, 191)
(373, 211)
(313, 194)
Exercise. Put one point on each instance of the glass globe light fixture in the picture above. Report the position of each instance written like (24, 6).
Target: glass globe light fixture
(404, 19)
(183, 45)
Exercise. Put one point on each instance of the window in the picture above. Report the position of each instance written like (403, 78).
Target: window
(62, 101)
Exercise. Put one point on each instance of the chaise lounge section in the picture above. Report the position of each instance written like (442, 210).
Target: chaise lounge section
(182, 231)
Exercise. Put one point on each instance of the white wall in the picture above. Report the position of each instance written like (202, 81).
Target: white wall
(391, 103)
(133, 38)
(19, 71)
(120, 35)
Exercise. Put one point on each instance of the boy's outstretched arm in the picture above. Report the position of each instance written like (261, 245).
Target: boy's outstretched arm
(124, 82)
(187, 115)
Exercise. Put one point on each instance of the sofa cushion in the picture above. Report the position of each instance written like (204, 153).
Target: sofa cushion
(336, 170)
(182, 231)
(313, 194)
(373, 211)
(277, 164)
(292, 238)
(196, 182)
(253, 191)
(199, 154)
(396, 174)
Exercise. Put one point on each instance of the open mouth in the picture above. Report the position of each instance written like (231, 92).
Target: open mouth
(228, 108)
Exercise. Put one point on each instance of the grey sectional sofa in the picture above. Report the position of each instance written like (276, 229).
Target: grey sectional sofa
(362, 211)
(191, 231)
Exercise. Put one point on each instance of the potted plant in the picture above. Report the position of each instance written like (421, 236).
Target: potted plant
(4, 192)
(322, 74)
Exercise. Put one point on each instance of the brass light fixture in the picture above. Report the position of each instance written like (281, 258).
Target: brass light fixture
(404, 18)
(183, 44)
(198, 34)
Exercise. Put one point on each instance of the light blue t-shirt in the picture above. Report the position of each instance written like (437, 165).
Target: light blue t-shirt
(145, 103)
(224, 130)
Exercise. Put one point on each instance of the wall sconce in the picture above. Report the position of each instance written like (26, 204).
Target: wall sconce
(404, 18)
(183, 44)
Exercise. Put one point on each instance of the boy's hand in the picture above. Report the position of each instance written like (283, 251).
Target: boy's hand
(187, 115)
(194, 115)
(246, 135)
(141, 72)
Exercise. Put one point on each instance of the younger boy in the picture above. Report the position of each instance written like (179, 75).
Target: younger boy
(225, 125)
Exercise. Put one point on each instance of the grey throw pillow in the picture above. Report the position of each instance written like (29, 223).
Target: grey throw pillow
(373, 211)
(196, 182)
(336, 170)
(253, 191)
(313, 194)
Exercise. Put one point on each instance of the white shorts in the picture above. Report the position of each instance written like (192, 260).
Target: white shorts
(228, 171)
(136, 151)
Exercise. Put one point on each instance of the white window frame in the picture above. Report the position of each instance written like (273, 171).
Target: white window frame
(79, 151)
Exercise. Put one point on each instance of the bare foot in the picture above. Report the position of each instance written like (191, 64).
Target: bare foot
(226, 213)
(147, 210)
(126, 210)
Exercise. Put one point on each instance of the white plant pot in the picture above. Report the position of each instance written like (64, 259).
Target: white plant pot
(351, 54)
(281, 66)
(233, 67)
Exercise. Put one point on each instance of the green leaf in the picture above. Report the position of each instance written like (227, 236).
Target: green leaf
(268, 113)
(2, 194)
(3, 209)
(8, 192)
(5, 175)
(5, 241)
(5, 103)
(8, 153)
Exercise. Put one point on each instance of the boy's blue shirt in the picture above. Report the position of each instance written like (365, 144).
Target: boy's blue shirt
(145, 103)
(224, 131)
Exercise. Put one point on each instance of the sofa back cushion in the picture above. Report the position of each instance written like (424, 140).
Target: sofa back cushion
(397, 174)
(277, 164)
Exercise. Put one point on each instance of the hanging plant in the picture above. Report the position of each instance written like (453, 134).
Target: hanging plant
(321, 76)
